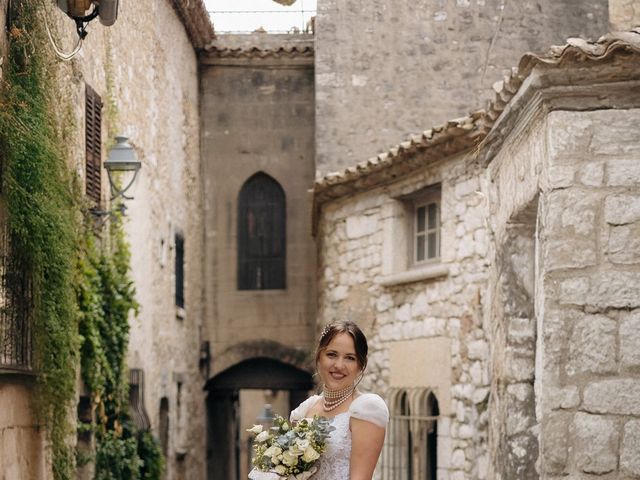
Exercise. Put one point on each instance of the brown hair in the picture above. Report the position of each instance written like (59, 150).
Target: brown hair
(344, 326)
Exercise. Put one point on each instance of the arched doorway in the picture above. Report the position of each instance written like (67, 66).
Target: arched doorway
(228, 393)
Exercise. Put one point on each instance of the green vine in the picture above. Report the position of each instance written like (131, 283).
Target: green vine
(79, 314)
(42, 224)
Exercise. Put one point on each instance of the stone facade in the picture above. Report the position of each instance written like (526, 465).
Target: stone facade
(153, 99)
(385, 70)
(397, 314)
(257, 104)
(528, 317)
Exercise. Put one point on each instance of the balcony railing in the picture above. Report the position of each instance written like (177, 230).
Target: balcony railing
(16, 310)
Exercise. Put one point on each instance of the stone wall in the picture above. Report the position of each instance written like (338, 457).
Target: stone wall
(258, 116)
(564, 205)
(388, 69)
(146, 74)
(427, 332)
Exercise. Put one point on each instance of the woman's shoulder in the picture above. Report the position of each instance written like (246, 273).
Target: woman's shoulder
(371, 408)
(301, 411)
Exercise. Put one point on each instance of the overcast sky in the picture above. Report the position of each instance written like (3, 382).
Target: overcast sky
(277, 17)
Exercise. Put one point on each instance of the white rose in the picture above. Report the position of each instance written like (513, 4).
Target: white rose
(310, 455)
(255, 429)
(289, 459)
(262, 437)
(280, 470)
(302, 443)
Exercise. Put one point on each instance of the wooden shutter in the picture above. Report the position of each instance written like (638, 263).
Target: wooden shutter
(93, 143)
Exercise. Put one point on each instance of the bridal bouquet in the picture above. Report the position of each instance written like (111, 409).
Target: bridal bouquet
(289, 451)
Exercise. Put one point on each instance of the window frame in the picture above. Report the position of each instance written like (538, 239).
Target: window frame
(93, 146)
(274, 264)
(432, 198)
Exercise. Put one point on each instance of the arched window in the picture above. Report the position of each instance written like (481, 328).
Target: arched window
(261, 234)
(411, 443)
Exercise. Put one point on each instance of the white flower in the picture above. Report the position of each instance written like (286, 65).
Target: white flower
(289, 459)
(273, 451)
(310, 454)
(280, 470)
(255, 429)
(302, 443)
(285, 426)
(262, 437)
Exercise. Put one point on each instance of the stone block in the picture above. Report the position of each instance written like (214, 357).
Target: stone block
(361, 225)
(561, 176)
(569, 137)
(466, 187)
(591, 174)
(615, 396)
(554, 442)
(630, 450)
(602, 289)
(575, 252)
(630, 340)
(623, 173)
(615, 132)
(577, 210)
(595, 440)
(621, 209)
(592, 347)
(624, 244)
(561, 397)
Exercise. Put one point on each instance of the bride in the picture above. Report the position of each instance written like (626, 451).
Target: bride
(359, 419)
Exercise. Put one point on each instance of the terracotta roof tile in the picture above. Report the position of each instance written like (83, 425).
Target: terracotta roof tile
(196, 21)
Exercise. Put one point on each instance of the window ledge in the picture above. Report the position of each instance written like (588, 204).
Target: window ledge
(414, 275)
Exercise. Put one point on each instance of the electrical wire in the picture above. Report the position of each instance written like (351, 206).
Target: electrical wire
(59, 53)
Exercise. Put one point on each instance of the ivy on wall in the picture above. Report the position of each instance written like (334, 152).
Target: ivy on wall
(82, 293)
(42, 224)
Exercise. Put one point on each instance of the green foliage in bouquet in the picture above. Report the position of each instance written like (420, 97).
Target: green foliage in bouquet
(290, 450)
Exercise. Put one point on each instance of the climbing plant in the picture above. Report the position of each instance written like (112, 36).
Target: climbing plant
(81, 290)
(42, 223)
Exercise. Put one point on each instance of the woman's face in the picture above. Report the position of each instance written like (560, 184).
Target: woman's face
(338, 365)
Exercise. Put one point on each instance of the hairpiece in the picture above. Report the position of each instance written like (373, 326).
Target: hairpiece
(325, 330)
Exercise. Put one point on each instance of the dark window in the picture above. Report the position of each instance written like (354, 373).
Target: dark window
(163, 425)
(261, 234)
(93, 143)
(179, 270)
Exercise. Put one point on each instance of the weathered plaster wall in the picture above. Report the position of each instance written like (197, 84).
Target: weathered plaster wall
(22, 442)
(146, 73)
(564, 212)
(257, 116)
(3, 36)
(624, 14)
(443, 314)
(388, 69)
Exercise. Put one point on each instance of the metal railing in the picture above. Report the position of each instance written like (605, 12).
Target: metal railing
(16, 310)
(409, 450)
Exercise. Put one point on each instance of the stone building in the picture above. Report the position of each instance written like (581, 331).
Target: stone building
(154, 100)
(494, 264)
(386, 69)
(258, 164)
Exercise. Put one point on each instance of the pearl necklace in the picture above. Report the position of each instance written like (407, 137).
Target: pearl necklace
(333, 398)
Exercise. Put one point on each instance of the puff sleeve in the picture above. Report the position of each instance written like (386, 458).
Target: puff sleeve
(301, 412)
(370, 408)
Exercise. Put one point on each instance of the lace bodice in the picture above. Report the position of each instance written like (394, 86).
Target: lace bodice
(334, 463)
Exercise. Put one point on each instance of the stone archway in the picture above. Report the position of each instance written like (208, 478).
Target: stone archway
(225, 460)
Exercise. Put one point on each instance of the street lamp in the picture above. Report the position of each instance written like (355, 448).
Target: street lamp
(122, 158)
(266, 417)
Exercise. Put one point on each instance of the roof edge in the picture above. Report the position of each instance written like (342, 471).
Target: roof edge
(196, 21)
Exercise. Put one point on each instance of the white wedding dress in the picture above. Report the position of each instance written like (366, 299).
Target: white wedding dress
(334, 463)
